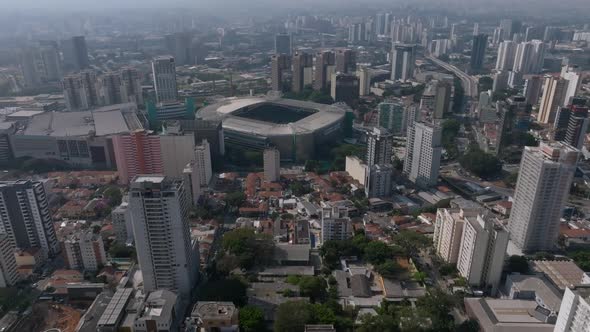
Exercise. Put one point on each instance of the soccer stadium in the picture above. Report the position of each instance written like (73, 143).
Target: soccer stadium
(294, 127)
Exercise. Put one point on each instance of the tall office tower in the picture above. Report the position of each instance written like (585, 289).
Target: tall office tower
(323, 62)
(380, 181)
(84, 250)
(364, 75)
(553, 96)
(110, 89)
(272, 164)
(510, 28)
(344, 87)
(51, 63)
(336, 224)
(482, 252)
(29, 69)
(573, 78)
(448, 230)
(75, 53)
(529, 57)
(279, 63)
(478, 52)
(515, 79)
(497, 36)
(532, 33)
(181, 47)
(403, 60)
(137, 153)
(74, 94)
(441, 47)
(159, 213)
(25, 216)
(453, 31)
(551, 34)
(131, 86)
(423, 153)
(164, 75)
(8, 270)
(475, 29)
(574, 312)
(203, 162)
(442, 99)
(380, 23)
(577, 126)
(302, 71)
(392, 116)
(542, 189)
(379, 147)
(506, 55)
(345, 61)
(562, 120)
(283, 44)
(122, 223)
(539, 48)
(533, 87)
(388, 19)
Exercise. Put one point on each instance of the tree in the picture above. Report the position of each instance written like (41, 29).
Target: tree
(582, 258)
(510, 179)
(321, 98)
(518, 264)
(322, 314)
(376, 252)
(450, 129)
(312, 166)
(113, 195)
(382, 323)
(420, 276)
(314, 287)
(470, 325)
(251, 319)
(390, 269)
(121, 251)
(485, 83)
(480, 163)
(232, 290)
(235, 199)
(292, 316)
(248, 247)
(437, 304)
(411, 242)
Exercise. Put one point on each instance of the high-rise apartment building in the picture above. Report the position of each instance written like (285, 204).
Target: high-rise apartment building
(25, 216)
(278, 64)
(574, 312)
(577, 126)
(510, 28)
(423, 154)
(324, 66)
(553, 96)
(302, 71)
(159, 213)
(542, 189)
(29, 68)
(403, 58)
(478, 52)
(110, 89)
(8, 270)
(379, 147)
(529, 57)
(336, 224)
(131, 86)
(283, 44)
(482, 251)
(84, 250)
(344, 87)
(51, 63)
(345, 61)
(164, 75)
(392, 116)
(448, 231)
(506, 55)
(137, 153)
(272, 164)
(364, 75)
(198, 172)
(533, 87)
(75, 53)
(74, 94)
(380, 181)
(573, 77)
(122, 226)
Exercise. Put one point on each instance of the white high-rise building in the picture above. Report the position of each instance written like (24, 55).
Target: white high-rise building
(403, 60)
(272, 164)
(482, 251)
(506, 55)
(574, 313)
(448, 231)
(203, 162)
(542, 189)
(573, 78)
(164, 75)
(122, 223)
(159, 213)
(25, 216)
(8, 270)
(379, 147)
(84, 250)
(423, 152)
(131, 86)
(380, 181)
(529, 57)
(364, 81)
(554, 92)
(336, 224)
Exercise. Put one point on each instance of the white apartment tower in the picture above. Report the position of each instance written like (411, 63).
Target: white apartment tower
(272, 164)
(403, 60)
(542, 189)
(164, 75)
(336, 224)
(122, 226)
(574, 80)
(448, 231)
(379, 147)
(506, 55)
(554, 92)
(423, 154)
(159, 213)
(482, 251)
(380, 181)
(25, 216)
(84, 251)
(203, 162)
(574, 313)
(8, 273)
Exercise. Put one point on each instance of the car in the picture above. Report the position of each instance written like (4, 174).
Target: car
(35, 285)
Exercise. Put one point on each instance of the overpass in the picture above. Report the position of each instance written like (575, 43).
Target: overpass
(469, 82)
